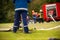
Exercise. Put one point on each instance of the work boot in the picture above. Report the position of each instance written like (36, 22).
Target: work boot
(15, 29)
(26, 30)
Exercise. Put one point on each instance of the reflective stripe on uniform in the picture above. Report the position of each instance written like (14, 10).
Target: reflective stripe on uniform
(25, 26)
(21, 9)
(15, 26)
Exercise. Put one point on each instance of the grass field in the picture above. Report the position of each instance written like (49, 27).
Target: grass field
(34, 35)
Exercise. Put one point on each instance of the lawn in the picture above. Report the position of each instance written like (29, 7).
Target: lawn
(34, 35)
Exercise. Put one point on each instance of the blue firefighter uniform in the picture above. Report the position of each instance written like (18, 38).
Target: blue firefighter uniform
(20, 9)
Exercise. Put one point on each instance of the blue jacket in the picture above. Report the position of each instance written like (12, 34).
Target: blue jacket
(21, 4)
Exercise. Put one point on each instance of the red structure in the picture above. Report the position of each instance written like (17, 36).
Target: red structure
(51, 9)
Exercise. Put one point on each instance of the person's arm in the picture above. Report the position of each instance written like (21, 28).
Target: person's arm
(14, 1)
(29, 1)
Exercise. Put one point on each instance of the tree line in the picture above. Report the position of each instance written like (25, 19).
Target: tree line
(7, 8)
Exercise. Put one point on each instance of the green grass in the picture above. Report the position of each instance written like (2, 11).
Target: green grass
(34, 35)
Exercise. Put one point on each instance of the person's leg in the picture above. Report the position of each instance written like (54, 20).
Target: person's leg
(42, 20)
(39, 20)
(20, 22)
(16, 21)
(24, 18)
(34, 18)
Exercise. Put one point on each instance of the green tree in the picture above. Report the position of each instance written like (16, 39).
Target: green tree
(6, 11)
(52, 1)
(7, 8)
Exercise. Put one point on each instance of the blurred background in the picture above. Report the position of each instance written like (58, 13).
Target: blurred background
(7, 8)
